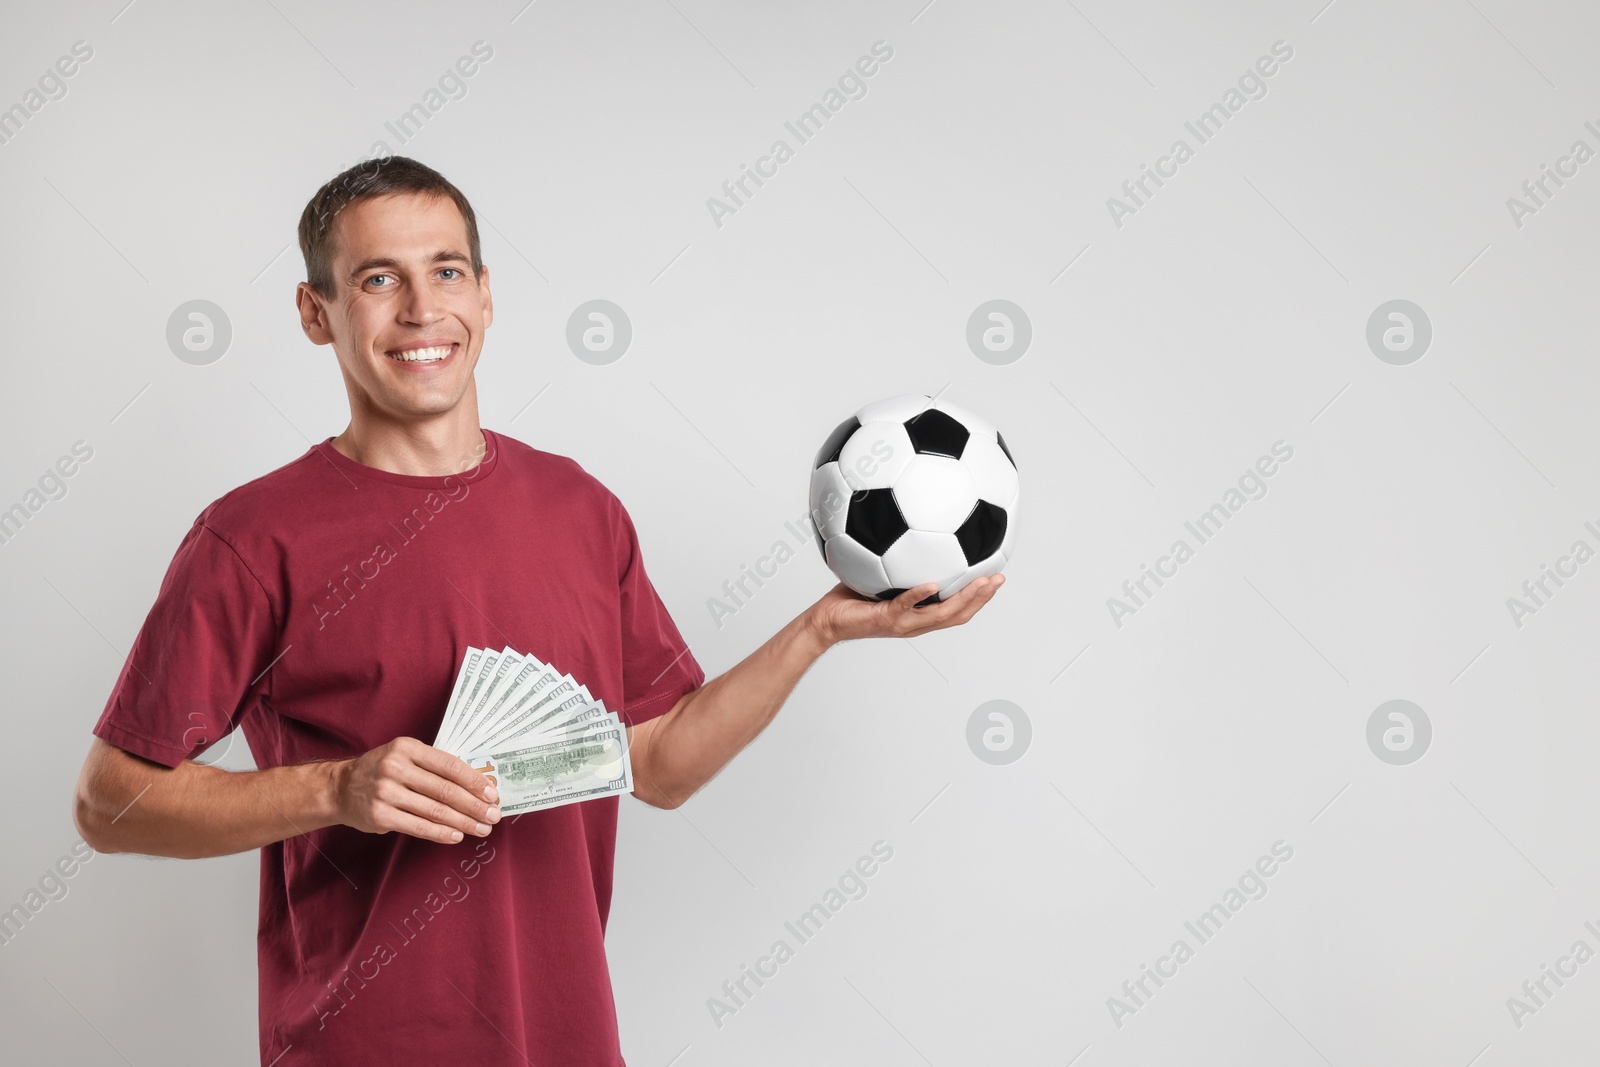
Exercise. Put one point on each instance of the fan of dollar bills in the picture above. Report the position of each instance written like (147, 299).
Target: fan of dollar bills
(537, 733)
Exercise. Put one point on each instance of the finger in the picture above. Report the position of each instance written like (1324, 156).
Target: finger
(979, 593)
(973, 606)
(984, 586)
(455, 769)
(437, 812)
(901, 607)
(941, 608)
(974, 589)
(975, 593)
(906, 602)
(909, 620)
(404, 822)
(448, 793)
(955, 610)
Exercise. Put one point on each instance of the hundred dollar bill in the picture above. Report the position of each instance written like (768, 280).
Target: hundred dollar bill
(476, 685)
(562, 703)
(469, 669)
(516, 674)
(569, 734)
(518, 705)
(587, 716)
(551, 705)
(502, 671)
(557, 773)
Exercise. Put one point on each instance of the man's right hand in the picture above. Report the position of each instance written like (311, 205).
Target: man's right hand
(414, 788)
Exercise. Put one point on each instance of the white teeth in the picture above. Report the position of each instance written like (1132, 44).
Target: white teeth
(422, 355)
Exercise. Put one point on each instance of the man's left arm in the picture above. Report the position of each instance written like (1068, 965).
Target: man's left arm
(676, 753)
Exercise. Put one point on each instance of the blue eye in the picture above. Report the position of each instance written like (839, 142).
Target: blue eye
(455, 269)
(375, 277)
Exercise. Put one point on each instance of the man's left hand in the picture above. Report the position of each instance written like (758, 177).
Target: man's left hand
(844, 615)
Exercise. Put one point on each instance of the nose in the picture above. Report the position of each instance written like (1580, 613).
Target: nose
(421, 306)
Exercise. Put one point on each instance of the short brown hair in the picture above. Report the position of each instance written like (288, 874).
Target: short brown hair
(383, 176)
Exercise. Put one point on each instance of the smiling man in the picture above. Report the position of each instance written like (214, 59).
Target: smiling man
(323, 609)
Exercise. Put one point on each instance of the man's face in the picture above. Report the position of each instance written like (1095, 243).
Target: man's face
(407, 317)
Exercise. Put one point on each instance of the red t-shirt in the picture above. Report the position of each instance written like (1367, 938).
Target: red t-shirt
(324, 608)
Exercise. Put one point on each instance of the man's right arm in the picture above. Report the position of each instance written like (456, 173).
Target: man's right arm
(125, 803)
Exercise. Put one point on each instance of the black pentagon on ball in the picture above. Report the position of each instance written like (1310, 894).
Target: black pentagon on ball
(935, 433)
(981, 532)
(890, 594)
(835, 442)
(820, 546)
(1002, 443)
(874, 520)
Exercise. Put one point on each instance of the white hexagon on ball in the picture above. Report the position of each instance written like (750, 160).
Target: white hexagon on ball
(935, 493)
(895, 409)
(992, 473)
(856, 565)
(918, 556)
(874, 456)
(830, 499)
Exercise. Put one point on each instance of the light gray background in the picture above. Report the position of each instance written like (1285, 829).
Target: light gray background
(1228, 314)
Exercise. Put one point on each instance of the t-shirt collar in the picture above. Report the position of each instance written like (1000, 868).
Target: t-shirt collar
(474, 473)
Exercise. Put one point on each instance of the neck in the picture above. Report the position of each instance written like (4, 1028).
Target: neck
(439, 445)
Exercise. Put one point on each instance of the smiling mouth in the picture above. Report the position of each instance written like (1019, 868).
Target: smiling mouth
(422, 355)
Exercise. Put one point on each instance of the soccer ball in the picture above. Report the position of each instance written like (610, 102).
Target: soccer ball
(912, 490)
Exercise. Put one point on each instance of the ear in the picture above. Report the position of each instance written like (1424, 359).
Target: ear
(488, 298)
(313, 317)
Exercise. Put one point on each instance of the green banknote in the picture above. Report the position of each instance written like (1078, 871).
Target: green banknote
(580, 766)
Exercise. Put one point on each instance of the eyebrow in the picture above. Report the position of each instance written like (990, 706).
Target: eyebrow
(390, 263)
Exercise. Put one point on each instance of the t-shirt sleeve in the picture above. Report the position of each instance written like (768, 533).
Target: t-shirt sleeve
(197, 660)
(657, 666)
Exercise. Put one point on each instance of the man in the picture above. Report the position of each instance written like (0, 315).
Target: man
(324, 608)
